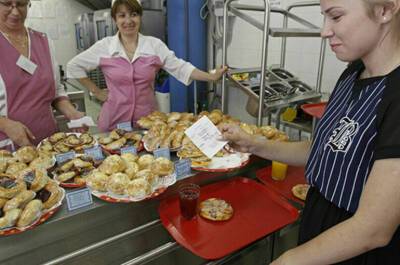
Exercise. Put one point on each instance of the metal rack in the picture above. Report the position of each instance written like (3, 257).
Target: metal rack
(288, 92)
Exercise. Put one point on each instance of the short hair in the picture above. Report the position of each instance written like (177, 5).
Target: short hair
(132, 5)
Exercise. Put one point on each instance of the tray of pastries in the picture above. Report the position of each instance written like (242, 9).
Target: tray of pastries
(129, 178)
(118, 138)
(27, 200)
(73, 172)
(62, 142)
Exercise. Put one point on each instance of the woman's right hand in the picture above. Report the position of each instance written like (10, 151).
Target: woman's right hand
(17, 132)
(239, 139)
(101, 94)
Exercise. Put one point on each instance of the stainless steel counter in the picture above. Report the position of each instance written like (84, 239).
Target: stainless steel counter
(106, 233)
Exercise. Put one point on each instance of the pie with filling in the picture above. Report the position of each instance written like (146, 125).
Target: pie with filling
(300, 191)
(216, 209)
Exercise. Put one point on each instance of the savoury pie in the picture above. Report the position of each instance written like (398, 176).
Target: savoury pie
(216, 209)
(300, 191)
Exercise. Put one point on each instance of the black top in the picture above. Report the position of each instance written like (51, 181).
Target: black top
(360, 125)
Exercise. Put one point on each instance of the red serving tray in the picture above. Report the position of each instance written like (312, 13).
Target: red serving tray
(315, 109)
(257, 213)
(295, 175)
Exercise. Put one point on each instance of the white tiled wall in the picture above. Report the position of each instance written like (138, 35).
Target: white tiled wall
(302, 54)
(57, 18)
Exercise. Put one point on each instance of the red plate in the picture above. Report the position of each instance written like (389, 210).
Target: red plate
(315, 109)
(295, 175)
(41, 220)
(257, 213)
(71, 185)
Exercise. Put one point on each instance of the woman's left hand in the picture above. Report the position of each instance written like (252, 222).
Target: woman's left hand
(218, 73)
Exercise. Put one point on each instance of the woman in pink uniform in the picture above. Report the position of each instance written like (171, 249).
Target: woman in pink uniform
(28, 81)
(130, 61)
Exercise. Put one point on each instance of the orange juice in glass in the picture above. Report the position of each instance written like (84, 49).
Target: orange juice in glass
(279, 170)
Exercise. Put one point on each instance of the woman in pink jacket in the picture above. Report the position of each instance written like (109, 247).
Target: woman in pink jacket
(29, 84)
(130, 61)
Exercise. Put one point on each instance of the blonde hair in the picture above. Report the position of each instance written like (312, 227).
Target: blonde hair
(371, 4)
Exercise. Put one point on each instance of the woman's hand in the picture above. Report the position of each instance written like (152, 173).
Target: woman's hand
(101, 94)
(218, 73)
(17, 132)
(239, 139)
(74, 115)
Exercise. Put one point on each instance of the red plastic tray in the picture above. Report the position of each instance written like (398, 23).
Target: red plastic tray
(295, 175)
(315, 109)
(257, 213)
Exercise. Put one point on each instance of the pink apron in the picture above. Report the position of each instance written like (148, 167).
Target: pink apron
(130, 86)
(29, 97)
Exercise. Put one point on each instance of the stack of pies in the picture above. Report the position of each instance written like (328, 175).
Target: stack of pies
(119, 138)
(62, 142)
(129, 175)
(23, 199)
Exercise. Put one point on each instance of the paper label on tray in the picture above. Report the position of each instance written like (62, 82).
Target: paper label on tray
(162, 152)
(129, 149)
(206, 136)
(95, 152)
(183, 168)
(126, 126)
(65, 156)
(78, 199)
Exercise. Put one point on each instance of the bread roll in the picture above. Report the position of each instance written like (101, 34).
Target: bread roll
(31, 212)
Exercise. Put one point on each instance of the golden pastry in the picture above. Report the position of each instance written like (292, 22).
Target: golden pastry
(46, 146)
(55, 194)
(116, 144)
(145, 123)
(105, 140)
(162, 166)
(31, 212)
(66, 176)
(117, 183)
(131, 170)
(3, 166)
(133, 136)
(5, 153)
(10, 187)
(112, 164)
(72, 140)
(57, 137)
(14, 168)
(138, 188)
(148, 175)
(97, 180)
(20, 200)
(173, 116)
(117, 134)
(10, 218)
(86, 138)
(36, 179)
(42, 162)
(2, 202)
(129, 158)
(145, 161)
(26, 154)
(60, 147)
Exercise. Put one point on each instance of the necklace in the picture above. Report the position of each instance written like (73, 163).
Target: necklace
(19, 40)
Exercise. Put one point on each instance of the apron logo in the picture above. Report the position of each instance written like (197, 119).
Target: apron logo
(342, 136)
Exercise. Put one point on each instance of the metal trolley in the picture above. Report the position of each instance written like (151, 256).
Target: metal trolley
(281, 88)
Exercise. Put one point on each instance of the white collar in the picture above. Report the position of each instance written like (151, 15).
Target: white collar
(116, 48)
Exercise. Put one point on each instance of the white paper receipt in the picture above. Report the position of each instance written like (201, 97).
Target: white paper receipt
(206, 136)
(87, 120)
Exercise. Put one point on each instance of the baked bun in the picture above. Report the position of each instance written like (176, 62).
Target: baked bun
(20, 200)
(98, 180)
(10, 186)
(26, 154)
(10, 218)
(162, 166)
(148, 175)
(112, 164)
(138, 188)
(117, 183)
(55, 194)
(14, 168)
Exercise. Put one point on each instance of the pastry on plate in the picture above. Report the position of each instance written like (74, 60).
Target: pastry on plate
(31, 212)
(300, 191)
(10, 218)
(97, 180)
(117, 183)
(216, 209)
(162, 166)
(112, 164)
(26, 154)
(145, 161)
(138, 188)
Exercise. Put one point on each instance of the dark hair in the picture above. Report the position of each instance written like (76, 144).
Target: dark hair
(132, 5)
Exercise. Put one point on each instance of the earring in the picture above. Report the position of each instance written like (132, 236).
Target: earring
(384, 18)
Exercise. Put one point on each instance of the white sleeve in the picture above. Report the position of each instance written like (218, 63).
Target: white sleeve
(86, 61)
(178, 68)
(60, 91)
